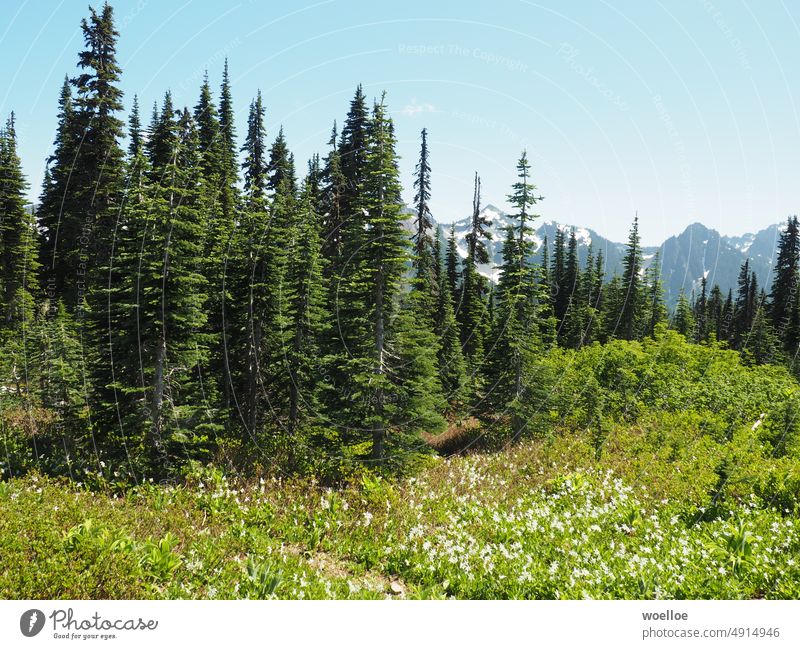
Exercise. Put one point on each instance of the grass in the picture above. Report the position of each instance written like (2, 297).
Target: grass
(646, 518)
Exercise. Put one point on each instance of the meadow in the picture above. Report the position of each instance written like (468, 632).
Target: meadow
(657, 500)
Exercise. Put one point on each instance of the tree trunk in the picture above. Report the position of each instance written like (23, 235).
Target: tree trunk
(379, 430)
(156, 431)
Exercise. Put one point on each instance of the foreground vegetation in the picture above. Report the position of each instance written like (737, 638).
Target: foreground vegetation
(545, 520)
(669, 470)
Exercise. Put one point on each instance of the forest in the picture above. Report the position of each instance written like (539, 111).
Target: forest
(164, 304)
(187, 306)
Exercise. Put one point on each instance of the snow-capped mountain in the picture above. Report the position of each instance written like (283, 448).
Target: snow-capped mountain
(686, 258)
(499, 220)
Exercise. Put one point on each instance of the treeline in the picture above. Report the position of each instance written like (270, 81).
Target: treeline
(166, 303)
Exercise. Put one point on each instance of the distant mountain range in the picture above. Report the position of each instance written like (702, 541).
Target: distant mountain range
(685, 258)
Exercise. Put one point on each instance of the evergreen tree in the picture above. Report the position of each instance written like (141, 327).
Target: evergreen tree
(228, 165)
(135, 144)
(426, 273)
(384, 355)
(715, 313)
(728, 318)
(452, 268)
(307, 319)
(572, 326)
(334, 187)
(57, 213)
(209, 139)
(516, 340)
(255, 163)
(99, 99)
(630, 308)
(684, 322)
(172, 418)
(762, 345)
(19, 244)
(452, 367)
(473, 313)
(743, 311)
(353, 155)
(654, 306)
(701, 313)
(281, 170)
(20, 364)
(785, 302)
(558, 271)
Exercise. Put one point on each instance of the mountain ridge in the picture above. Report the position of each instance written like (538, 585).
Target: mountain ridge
(696, 252)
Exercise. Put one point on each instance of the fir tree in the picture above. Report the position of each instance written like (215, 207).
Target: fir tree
(785, 302)
(452, 269)
(19, 244)
(209, 137)
(306, 318)
(353, 153)
(57, 205)
(654, 306)
(452, 367)
(280, 169)
(426, 273)
(472, 313)
(515, 340)
(715, 313)
(558, 271)
(701, 313)
(255, 164)
(174, 413)
(743, 311)
(631, 280)
(334, 187)
(571, 329)
(684, 322)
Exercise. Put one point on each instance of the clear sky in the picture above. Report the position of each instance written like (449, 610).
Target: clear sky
(685, 111)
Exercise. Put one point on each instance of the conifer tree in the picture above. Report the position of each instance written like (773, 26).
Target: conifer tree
(784, 298)
(701, 313)
(174, 416)
(255, 163)
(426, 273)
(280, 169)
(228, 166)
(57, 205)
(452, 268)
(254, 281)
(762, 345)
(451, 364)
(515, 340)
(209, 138)
(307, 320)
(385, 357)
(353, 155)
(545, 263)
(571, 329)
(743, 308)
(715, 313)
(473, 313)
(99, 159)
(19, 241)
(654, 307)
(684, 322)
(558, 271)
(20, 364)
(631, 281)
(334, 187)
(728, 318)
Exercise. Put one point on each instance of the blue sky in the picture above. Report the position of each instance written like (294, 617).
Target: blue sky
(685, 111)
